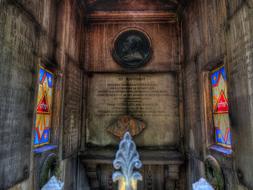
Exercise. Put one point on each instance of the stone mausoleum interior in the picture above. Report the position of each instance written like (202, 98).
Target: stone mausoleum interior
(126, 94)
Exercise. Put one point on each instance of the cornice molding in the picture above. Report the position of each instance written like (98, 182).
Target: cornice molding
(132, 16)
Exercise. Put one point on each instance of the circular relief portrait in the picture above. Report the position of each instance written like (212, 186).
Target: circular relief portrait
(132, 49)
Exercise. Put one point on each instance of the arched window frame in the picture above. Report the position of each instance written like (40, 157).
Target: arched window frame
(208, 107)
(220, 107)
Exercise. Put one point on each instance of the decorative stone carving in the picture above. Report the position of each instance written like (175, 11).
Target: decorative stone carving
(132, 49)
(124, 124)
(127, 159)
(202, 184)
(54, 184)
(160, 170)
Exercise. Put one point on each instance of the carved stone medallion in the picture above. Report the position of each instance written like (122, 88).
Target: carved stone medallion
(132, 49)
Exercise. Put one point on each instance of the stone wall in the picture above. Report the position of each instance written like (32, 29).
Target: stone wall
(51, 33)
(20, 55)
(218, 32)
(37, 32)
(150, 95)
(162, 29)
(240, 59)
(69, 35)
(101, 37)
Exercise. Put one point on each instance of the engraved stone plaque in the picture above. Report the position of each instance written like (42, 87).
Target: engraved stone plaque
(151, 98)
(16, 95)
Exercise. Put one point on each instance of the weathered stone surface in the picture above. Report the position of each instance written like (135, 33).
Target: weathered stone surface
(17, 65)
(131, 5)
(35, 8)
(152, 98)
(72, 109)
(27, 38)
(68, 118)
(240, 59)
(71, 167)
(219, 32)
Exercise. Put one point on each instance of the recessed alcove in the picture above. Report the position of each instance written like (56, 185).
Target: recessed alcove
(75, 75)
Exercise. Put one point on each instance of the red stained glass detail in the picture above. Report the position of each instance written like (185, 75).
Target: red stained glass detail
(43, 106)
(222, 104)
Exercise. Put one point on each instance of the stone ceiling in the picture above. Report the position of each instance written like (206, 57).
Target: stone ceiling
(132, 5)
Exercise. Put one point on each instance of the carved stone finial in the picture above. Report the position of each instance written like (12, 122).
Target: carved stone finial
(127, 159)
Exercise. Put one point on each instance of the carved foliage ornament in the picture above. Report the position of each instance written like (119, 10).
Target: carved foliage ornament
(132, 49)
(127, 159)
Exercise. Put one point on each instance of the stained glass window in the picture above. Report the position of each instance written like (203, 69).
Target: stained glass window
(220, 107)
(43, 109)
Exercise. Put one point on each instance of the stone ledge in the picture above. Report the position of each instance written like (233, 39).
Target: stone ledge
(152, 157)
(221, 149)
(45, 148)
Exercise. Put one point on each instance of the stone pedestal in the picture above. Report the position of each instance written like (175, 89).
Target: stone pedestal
(161, 169)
